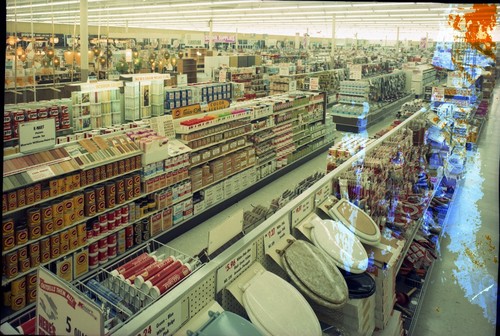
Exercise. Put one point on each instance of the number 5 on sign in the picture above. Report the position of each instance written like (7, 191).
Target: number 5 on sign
(62, 310)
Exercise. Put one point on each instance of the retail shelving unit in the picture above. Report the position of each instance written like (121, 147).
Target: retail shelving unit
(160, 182)
(253, 79)
(326, 80)
(188, 67)
(421, 76)
(364, 102)
(204, 286)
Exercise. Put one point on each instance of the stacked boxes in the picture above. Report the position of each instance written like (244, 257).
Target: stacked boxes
(218, 169)
(357, 317)
(178, 97)
(215, 91)
(394, 326)
(385, 279)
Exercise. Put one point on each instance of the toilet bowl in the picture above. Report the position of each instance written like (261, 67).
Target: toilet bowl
(315, 274)
(226, 324)
(276, 308)
(356, 220)
(338, 242)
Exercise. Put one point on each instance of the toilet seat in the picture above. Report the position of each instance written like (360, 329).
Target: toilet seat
(315, 274)
(337, 241)
(275, 307)
(227, 324)
(357, 221)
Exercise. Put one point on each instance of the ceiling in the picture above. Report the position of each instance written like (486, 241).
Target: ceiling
(250, 16)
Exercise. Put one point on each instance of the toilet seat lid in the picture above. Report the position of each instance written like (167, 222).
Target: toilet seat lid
(228, 324)
(337, 241)
(277, 308)
(358, 221)
(315, 274)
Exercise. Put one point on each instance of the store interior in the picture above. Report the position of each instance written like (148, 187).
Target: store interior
(241, 167)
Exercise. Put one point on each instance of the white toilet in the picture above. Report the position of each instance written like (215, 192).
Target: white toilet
(276, 308)
(342, 245)
(356, 220)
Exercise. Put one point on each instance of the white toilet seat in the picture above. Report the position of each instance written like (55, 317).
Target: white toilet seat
(357, 221)
(337, 241)
(277, 308)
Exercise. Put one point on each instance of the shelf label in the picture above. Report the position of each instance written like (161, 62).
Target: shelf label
(169, 322)
(323, 192)
(276, 233)
(40, 173)
(234, 267)
(37, 135)
(302, 210)
(61, 310)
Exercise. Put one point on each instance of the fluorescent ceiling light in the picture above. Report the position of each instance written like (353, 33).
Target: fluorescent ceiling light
(383, 4)
(58, 3)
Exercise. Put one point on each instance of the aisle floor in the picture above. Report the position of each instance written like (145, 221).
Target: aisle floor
(461, 298)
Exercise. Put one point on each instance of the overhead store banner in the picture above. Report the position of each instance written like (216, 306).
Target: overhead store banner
(221, 38)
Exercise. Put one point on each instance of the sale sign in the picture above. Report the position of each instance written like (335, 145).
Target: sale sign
(62, 310)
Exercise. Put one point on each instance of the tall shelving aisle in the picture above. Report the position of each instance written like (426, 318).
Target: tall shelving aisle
(197, 237)
(461, 297)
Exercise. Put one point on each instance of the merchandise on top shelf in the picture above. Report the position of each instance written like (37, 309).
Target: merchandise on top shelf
(57, 109)
(193, 94)
(96, 108)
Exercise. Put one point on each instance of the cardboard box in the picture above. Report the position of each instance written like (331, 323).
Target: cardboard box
(236, 162)
(208, 179)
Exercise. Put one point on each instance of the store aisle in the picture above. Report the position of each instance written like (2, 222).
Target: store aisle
(462, 293)
(198, 236)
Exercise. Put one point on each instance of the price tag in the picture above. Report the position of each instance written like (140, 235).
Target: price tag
(323, 193)
(41, 173)
(37, 135)
(234, 267)
(169, 322)
(276, 233)
(302, 210)
(61, 310)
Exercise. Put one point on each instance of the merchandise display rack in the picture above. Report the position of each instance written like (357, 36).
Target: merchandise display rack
(417, 299)
(364, 102)
(195, 287)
